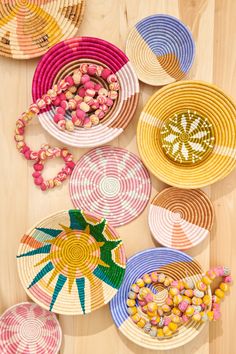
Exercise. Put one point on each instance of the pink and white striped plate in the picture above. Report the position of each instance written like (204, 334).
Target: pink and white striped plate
(180, 218)
(26, 328)
(111, 182)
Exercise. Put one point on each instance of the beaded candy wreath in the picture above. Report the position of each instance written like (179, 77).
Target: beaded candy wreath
(71, 263)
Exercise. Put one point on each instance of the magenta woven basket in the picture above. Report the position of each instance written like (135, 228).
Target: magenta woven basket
(62, 60)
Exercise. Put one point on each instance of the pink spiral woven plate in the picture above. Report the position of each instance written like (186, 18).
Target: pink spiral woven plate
(111, 182)
(26, 328)
(60, 61)
(180, 218)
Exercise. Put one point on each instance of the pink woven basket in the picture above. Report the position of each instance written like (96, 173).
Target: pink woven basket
(60, 61)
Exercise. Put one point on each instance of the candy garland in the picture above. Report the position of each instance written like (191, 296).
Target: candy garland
(46, 152)
(185, 301)
(87, 101)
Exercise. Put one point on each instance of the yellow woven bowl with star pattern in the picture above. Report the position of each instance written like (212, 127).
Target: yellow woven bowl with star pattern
(187, 134)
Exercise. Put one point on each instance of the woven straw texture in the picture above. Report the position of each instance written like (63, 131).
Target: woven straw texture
(26, 328)
(175, 264)
(180, 218)
(111, 182)
(209, 102)
(161, 48)
(62, 60)
(71, 263)
(28, 28)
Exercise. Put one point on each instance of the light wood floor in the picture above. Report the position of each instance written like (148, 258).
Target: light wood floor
(213, 23)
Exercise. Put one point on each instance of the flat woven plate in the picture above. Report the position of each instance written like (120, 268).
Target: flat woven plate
(161, 48)
(180, 218)
(112, 182)
(175, 264)
(62, 60)
(26, 328)
(71, 263)
(28, 28)
(186, 134)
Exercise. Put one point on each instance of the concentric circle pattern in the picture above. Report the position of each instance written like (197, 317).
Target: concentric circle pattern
(161, 48)
(180, 218)
(209, 102)
(175, 264)
(112, 182)
(28, 28)
(71, 263)
(26, 328)
(62, 60)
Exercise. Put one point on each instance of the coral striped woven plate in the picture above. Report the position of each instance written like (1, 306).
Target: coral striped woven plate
(62, 60)
(71, 263)
(161, 48)
(173, 263)
(111, 182)
(26, 328)
(187, 134)
(180, 218)
(28, 28)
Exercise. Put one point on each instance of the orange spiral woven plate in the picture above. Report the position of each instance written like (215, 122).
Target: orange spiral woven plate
(71, 263)
(28, 28)
(200, 146)
(180, 218)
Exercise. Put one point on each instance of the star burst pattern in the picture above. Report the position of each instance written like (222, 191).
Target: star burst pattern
(73, 254)
(187, 137)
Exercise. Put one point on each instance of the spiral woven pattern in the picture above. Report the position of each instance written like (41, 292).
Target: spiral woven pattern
(62, 60)
(71, 263)
(112, 182)
(28, 28)
(26, 328)
(175, 264)
(209, 102)
(180, 218)
(161, 48)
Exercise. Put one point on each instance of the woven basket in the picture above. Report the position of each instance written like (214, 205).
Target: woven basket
(65, 57)
(71, 263)
(27, 328)
(180, 218)
(173, 263)
(161, 48)
(112, 182)
(164, 109)
(28, 28)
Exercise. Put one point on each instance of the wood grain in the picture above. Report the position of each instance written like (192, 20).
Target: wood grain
(213, 25)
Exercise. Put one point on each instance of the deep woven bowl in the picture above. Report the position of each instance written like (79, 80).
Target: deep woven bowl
(170, 103)
(71, 263)
(161, 48)
(26, 328)
(112, 182)
(28, 28)
(62, 60)
(180, 218)
(175, 264)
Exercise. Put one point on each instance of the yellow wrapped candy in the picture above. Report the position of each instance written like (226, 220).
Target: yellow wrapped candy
(173, 326)
(175, 319)
(210, 315)
(132, 310)
(160, 332)
(151, 314)
(224, 287)
(167, 332)
(177, 299)
(176, 311)
(130, 302)
(197, 317)
(190, 311)
(136, 318)
(206, 280)
(196, 301)
(166, 308)
(220, 293)
(152, 306)
(141, 323)
(140, 283)
(207, 300)
(173, 291)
